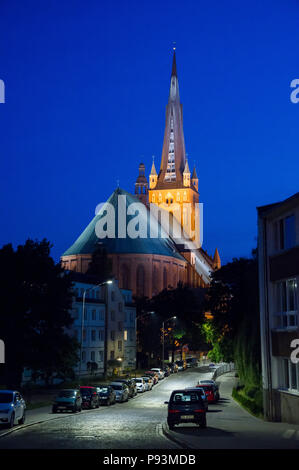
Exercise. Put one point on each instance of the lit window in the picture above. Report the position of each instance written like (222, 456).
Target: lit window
(125, 335)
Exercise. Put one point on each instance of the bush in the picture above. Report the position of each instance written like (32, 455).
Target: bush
(252, 404)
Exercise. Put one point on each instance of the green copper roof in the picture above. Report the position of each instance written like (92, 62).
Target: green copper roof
(88, 240)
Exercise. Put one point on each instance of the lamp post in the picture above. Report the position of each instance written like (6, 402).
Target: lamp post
(163, 339)
(82, 319)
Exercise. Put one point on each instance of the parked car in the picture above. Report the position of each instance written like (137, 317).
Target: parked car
(191, 362)
(209, 382)
(211, 392)
(159, 372)
(12, 407)
(186, 406)
(153, 375)
(173, 367)
(203, 395)
(67, 400)
(121, 391)
(140, 384)
(106, 395)
(131, 386)
(90, 397)
(166, 371)
(148, 383)
(181, 365)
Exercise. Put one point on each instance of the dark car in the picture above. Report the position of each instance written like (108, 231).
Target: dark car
(211, 392)
(131, 386)
(166, 371)
(106, 395)
(153, 375)
(90, 397)
(67, 400)
(186, 406)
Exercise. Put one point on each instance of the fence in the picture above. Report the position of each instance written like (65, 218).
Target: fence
(223, 369)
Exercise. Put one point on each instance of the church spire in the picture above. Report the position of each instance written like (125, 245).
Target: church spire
(173, 153)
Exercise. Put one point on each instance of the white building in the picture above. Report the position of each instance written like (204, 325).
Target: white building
(102, 302)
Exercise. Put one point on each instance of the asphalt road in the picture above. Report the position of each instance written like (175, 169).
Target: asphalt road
(138, 423)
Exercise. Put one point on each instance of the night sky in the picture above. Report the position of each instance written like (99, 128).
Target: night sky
(86, 88)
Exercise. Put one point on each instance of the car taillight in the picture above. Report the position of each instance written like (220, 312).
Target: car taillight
(199, 411)
(173, 411)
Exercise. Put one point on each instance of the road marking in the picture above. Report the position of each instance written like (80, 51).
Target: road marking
(288, 433)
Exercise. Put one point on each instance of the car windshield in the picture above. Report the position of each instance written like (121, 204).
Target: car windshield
(66, 393)
(146, 379)
(6, 397)
(103, 389)
(86, 391)
(186, 397)
(138, 380)
(116, 387)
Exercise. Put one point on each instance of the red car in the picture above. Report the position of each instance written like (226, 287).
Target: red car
(210, 392)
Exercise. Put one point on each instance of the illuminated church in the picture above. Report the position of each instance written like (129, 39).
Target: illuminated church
(147, 264)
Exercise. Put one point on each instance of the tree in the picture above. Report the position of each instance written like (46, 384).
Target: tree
(100, 265)
(234, 329)
(36, 296)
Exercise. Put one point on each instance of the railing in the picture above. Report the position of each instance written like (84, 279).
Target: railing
(223, 369)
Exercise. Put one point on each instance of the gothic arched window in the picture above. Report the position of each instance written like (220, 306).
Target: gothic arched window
(140, 281)
(125, 277)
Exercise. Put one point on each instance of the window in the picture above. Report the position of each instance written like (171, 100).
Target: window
(102, 315)
(120, 345)
(132, 335)
(120, 307)
(101, 356)
(92, 356)
(111, 354)
(286, 308)
(93, 335)
(289, 375)
(125, 335)
(285, 233)
(113, 296)
(120, 326)
(83, 356)
(112, 315)
(101, 335)
(93, 315)
(132, 317)
(85, 314)
(112, 335)
(84, 334)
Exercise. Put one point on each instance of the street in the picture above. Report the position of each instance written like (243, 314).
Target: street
(141, 424)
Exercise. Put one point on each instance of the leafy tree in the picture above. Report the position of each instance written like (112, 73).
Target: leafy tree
(36, 296)
(101, 264)
(233, 331)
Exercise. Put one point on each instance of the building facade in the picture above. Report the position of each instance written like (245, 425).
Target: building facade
(278, 251)
(109, 311)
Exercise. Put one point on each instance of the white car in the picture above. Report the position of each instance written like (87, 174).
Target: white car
(140, 384)
(159, 372)
(148, 383)
(12, 407)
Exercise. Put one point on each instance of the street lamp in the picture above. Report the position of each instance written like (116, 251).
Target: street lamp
(82, 319)
(163, 339)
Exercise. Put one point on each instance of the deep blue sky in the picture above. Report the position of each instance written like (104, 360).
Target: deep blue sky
(86, 88)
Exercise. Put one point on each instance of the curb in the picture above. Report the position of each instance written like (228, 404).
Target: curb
(167, 433)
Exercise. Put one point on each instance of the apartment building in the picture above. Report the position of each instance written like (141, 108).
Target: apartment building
(278, 251)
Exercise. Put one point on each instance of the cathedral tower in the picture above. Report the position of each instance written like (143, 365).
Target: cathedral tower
(173, 189)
